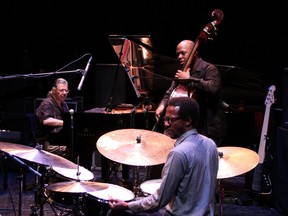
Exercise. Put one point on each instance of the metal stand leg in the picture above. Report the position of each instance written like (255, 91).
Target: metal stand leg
(136, 187)
(20, 178)
(114, 167)
(221, 197)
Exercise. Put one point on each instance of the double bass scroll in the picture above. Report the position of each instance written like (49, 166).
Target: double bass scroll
(208, 32)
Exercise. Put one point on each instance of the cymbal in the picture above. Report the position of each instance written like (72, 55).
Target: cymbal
(74, 174)
(36, 155)
(234, 161)
(137, 147)
(77, 186)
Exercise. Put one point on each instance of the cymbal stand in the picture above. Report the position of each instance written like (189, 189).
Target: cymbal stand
(20, 178)
(39, 195)
(113, 168)
(221, 196)
(136, 186)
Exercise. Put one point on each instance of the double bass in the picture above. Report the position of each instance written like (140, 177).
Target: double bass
(183, 86)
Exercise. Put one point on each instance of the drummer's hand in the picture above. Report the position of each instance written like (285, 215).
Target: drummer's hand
(118, 204)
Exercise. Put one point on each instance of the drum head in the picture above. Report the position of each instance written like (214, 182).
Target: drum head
(113, 192)
(150, 186)
(71, 174)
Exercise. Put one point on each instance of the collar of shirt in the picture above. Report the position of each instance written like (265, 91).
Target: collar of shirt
(185, 135)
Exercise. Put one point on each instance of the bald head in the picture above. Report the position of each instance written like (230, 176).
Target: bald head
(188, 44)
(183, 51)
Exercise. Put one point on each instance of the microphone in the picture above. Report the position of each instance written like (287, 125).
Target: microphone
(71, 111)
(84, 74)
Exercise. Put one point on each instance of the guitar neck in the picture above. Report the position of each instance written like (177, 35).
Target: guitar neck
(258, 171)
(263, 138)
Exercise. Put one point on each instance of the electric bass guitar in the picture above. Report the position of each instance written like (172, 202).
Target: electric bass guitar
(261, 182)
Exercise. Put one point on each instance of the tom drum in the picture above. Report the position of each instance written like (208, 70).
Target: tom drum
(150, 186)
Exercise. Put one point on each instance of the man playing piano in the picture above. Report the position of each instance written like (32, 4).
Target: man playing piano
(50, 118)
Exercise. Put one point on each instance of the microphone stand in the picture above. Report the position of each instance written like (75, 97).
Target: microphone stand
(71, 135)
(146, 101)
(39, 75)
(146, 116)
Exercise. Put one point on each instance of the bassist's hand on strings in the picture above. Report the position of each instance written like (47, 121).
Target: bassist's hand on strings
(158, 112)
(183, 74)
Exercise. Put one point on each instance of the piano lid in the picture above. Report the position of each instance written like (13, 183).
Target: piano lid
(143, 63)
(134, 54)
(133, 50)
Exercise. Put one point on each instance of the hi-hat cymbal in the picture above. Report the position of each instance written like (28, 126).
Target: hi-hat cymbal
(234, 161)
(82, 174)
(77, 186)
(36, 155)
(137, 147)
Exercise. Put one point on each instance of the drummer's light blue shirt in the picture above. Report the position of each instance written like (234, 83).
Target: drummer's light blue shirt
(189, 179)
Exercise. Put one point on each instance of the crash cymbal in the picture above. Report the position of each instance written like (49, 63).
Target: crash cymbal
(137, 147)
(234, 161)
(77, 186)
(36, 155)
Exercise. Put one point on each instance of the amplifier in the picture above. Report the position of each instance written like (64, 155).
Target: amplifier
(10, 136)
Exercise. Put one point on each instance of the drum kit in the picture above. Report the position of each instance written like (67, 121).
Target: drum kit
(77, 178)
(135, 147)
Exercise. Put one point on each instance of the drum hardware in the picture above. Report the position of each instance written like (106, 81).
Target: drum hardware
(72, 194)
(234, 161)
(40, 157)
(136, 185)
(23, 167)
(114, 168)
(66, 203)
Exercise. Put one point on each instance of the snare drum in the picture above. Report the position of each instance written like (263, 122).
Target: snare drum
(96, 203)
(150, 186)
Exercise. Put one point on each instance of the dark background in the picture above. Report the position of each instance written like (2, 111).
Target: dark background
(42, 37)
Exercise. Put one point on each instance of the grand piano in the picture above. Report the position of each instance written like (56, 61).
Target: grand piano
(135, 85)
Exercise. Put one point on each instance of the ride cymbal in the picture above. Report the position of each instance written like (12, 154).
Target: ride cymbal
(137, 147)
(36, 155)
(234, 161)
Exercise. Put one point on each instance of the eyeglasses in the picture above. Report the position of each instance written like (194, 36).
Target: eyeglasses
(170, 120)
(63, 90)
